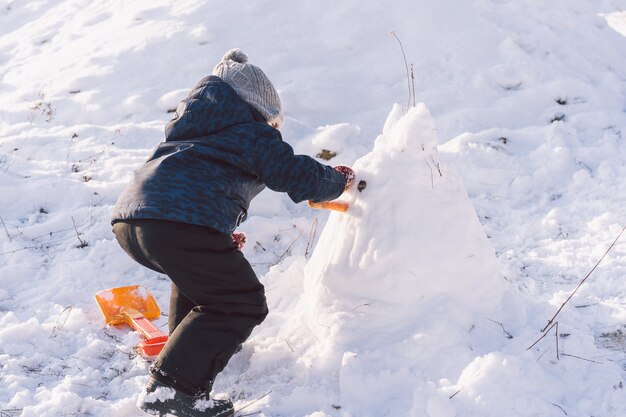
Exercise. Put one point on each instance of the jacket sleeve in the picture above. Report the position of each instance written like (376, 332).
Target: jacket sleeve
(300, 176)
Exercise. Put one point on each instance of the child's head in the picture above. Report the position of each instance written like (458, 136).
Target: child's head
(251, 84)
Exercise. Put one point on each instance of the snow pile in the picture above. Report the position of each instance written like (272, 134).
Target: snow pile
(408, 264)
(411, 240)
(403, 310)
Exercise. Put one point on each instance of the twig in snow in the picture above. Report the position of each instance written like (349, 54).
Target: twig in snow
(545, 333)
(10, 412)
(413, 84)
(585, 305)
(541, 356)
(250, 403)
(455, 394)
(288, 250)
(59, 324)
(437, 165)
(406, 67)
(361, 305)
(432, 181)
(585, 166)
(43, 106)
(11, 252)
(583, 280)
(5, 229)
(83, 244)
(556, 405)
(556, 338)
(37, 246)
(67, 229)
(118, 342)
(519, 169)
(74, 136)
(312, 235)
(578, 357)
(92, 157)
(289, 344)
(508, 335)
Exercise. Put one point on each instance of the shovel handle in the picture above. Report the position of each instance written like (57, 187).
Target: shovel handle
(150, 348)
(145, 327)
(154, 339)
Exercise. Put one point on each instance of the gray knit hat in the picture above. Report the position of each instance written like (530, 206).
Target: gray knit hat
(251, 84)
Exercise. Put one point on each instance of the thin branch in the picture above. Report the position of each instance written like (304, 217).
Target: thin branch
(556, 338)
(541, 356)
(556, 405)
(37, 246)
(289, 344)
(455, 394)
(59, 231)
(91, 157)
(19, 250)
(59, 326)
(82, 242)
(545, 333)
(406, 67)
(413, 84)
(508, 335)
(312, 235)
(437, 165)
(250, 403)
(288, 250)
(5, 229)
(583, 280)
(578, 357)
(10, 412)
(432, 180)
(41, 247)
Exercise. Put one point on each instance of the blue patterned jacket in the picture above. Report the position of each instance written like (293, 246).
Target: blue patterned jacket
(217, 157)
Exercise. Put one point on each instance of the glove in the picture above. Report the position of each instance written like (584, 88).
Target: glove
(240, 239)
(348, 173)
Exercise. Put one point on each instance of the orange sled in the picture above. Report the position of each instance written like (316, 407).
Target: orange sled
(133, 305)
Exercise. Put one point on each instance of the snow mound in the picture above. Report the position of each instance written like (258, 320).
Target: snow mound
(410, 243)
(398, 282)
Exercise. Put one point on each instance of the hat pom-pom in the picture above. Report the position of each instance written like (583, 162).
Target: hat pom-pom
(236, 55)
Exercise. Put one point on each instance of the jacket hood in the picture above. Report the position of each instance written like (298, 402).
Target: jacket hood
(211, 106)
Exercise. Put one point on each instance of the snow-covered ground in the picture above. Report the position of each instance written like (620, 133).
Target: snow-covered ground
(405, 305)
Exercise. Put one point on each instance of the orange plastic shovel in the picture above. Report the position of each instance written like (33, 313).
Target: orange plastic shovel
(336, 205)
(133, 305)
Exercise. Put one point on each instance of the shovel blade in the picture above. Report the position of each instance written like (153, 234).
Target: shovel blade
(115, 301)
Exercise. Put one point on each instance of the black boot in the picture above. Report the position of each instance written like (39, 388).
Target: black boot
(162, 400)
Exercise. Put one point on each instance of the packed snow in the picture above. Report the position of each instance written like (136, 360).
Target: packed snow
(486, 199)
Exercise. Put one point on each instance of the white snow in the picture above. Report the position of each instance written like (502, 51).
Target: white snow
(485, 206)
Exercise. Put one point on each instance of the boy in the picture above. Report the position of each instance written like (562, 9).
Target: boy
(178, 214)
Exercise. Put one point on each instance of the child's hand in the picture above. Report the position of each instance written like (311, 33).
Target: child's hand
(348, 173)
(240, 239)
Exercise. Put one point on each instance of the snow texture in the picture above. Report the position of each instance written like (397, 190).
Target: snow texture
(485, 205)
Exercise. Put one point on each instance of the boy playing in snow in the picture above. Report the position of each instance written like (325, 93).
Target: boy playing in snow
(178, 215)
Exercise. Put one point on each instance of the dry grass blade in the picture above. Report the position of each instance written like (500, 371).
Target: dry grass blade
(311, 238)
(62, 319)
(252, 402)
(583, 280)
(406, 67)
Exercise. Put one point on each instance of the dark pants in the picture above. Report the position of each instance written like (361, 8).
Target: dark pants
(216, 298)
